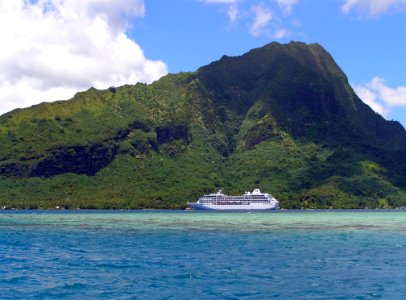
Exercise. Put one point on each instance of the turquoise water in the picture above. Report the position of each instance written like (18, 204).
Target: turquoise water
(203, 255)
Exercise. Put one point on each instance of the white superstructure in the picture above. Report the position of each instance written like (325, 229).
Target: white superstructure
(249, 201)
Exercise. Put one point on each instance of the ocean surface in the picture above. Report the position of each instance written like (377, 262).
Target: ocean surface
(202, 255)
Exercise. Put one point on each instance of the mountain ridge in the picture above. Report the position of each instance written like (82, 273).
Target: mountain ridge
(280, 117)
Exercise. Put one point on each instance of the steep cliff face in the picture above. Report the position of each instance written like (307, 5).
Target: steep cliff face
(281, 117)
(302, 89)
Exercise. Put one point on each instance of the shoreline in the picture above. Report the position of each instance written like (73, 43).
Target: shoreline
(200, 211)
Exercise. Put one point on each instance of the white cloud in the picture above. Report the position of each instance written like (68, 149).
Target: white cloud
(380, 97)
(287, 5)
(262, 17)
(280, 33)
(232, 10)
(370, 98)
(54, 48)
(372, 7)
(233, 13)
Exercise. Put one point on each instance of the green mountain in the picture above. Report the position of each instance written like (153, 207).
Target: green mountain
(282, 118)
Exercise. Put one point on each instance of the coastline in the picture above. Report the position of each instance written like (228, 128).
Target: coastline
(282, 210)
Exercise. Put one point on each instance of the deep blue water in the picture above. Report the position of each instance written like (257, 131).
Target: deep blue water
(189, 255)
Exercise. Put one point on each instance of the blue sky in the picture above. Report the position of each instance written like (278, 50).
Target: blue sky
(59, 47)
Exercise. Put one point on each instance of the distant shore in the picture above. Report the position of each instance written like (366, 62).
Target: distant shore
(186, 209)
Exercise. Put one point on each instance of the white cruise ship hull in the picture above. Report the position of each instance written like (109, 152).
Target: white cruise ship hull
(199, 206)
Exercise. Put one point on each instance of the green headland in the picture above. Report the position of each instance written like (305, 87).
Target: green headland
(282, 118)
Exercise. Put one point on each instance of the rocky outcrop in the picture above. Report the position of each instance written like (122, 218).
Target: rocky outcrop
(13, 170)
(122, 134)
(76, 159)
(171, 133)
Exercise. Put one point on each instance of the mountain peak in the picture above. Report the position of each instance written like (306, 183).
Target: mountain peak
(301, 84)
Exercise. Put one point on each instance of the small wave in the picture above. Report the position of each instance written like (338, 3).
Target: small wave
(14, 280)
(74, 286)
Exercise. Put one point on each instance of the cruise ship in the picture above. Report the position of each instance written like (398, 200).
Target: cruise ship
(249, 201)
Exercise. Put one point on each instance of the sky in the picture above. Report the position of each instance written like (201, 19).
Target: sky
(52, 49)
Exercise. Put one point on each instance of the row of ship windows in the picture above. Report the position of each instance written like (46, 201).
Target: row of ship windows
(235, 198)
(233, 202)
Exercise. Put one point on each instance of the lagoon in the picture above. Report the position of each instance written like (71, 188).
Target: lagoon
(203, 255)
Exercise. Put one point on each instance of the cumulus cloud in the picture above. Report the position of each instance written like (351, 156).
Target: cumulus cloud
(262, 17)
(370, 98)
(380, 97)
(372, 7)
(54, 48)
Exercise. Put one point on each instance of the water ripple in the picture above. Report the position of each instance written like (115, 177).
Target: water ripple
(183, 255)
